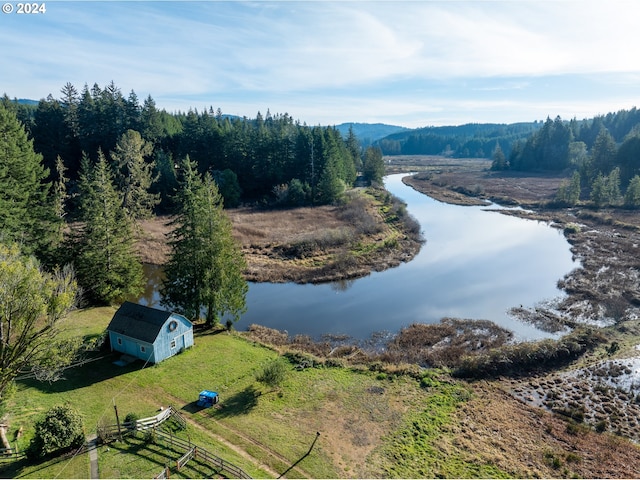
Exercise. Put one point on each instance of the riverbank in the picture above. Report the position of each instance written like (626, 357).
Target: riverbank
(602, 388)
(371, 231)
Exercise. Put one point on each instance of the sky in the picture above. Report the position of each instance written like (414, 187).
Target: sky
(410, 63)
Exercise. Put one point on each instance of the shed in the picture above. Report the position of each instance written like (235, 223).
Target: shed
(148, 333)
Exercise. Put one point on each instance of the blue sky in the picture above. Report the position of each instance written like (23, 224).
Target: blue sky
(414, 63)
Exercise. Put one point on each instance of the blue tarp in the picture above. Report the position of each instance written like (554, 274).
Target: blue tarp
(207, 398)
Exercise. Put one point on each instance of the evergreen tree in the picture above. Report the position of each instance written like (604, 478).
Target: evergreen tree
(167, 183)
(353, 146)
(106, 264)
(603, 153)
(205, 271)
(628, 157)
(134, 175)
(605, 190)
(569, 192)
(613, 187)
(373, 167)
(499, 160)
(25, 214)
(632, 195)
(599, 194)
(574, 189)
(228, 186)
(330, 187)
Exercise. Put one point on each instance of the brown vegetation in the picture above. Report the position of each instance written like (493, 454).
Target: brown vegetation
(565, 411)
(369, 232)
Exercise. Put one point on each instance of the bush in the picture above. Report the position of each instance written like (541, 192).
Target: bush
(60, 429)
(130, 421)
(273, 374)
(150, 436)
(571, 228)
(527, 357)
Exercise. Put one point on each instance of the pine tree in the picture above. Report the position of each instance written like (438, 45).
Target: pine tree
(599, 194)
(632, 195)
(603, 153)
(25, 215)
(373, 168)
(574, 189)
(134, 175)
(106, 264)
(499, 160)
(569, 192)
(353, 146)
(205, 271)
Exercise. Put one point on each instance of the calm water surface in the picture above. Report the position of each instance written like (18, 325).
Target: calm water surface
(475, 264)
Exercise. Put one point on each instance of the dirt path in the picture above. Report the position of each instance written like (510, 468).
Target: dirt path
(300, 473)
(92, 443)
(243, 453)
(189, 418)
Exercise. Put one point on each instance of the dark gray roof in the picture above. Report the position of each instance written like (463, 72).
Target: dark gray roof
(139, 322)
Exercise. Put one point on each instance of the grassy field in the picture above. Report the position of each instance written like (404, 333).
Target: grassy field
(372, 424)
(261, 430)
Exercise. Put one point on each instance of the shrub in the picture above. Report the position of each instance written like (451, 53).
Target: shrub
(150, 436)
(601, 426)
(571, 228)
(273, 374)
(130, 421)
(60, 429)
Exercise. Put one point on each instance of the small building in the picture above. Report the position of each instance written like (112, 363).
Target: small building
(148, 333)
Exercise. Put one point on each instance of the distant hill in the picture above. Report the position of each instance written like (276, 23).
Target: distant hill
(475, 140)
(368, 133)
(26, 101)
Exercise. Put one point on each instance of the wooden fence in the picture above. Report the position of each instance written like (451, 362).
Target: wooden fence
(10, 455)
(199, 453)
(191, 450)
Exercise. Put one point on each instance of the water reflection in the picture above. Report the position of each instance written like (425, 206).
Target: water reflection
(476, 264)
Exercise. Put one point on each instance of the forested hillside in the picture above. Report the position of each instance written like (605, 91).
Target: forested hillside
(369, 133)
(78, 173)
(265, 158)
(602, 156)
(473, 140)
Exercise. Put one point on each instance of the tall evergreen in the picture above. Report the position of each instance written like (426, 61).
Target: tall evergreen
(25, 214)
(134, 175)
(205, 271)
(105, 261)
(603, 153)
(373, 167)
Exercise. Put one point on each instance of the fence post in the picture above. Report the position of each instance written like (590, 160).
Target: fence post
(117, 420)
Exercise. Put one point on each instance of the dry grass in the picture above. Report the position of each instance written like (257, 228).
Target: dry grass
(470, 182)
(319, 244)
(527, 441)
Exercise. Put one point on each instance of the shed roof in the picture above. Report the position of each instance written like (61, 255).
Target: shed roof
(139, 322)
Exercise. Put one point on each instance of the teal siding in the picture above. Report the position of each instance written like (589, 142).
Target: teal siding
(175, 335)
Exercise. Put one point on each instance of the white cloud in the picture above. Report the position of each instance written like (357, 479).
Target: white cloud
(416, 63)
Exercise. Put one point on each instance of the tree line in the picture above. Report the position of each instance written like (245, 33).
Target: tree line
(261, 159)
(601, 155)
(473, 140)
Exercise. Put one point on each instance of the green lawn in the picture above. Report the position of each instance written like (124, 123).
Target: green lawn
(261, 430)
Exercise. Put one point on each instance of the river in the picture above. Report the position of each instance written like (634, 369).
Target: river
(475, 264)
